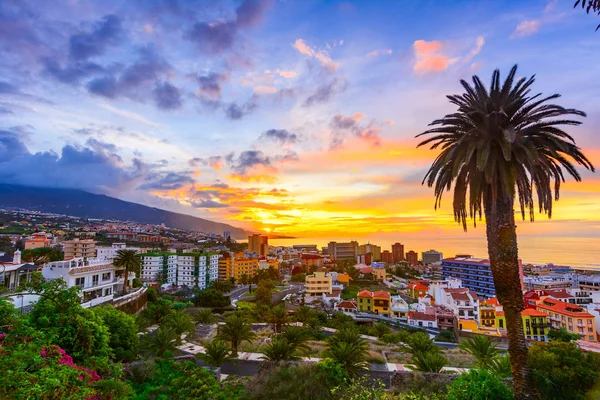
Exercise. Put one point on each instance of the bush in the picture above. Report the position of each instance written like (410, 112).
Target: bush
(479, 384)
(123, 329)
(292, 382)
(211, 298)
(445, 336)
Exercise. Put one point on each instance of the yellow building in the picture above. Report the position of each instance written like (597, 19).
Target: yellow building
(344, 279)
(365, 301)
(266, 264)
(258, 244)
(572, 317)
(535, 324)
(377, 302)
(317, 284)
(487, 313)
(77, 248)
(237, 266)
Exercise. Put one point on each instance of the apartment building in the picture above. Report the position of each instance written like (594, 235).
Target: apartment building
(412, 258)
(535, 324)
(198, 269)
(378, 302)
(318, 284)
(398, 252)
(109, 253)
(431, 257)
(387, 257)
(79, 248)
(37, 241)
(372, 249)
(237, 266)
(462, 302)
(258, 244)
(342, 251)
(574, 318)
(589, 282)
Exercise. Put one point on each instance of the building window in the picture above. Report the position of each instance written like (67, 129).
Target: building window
(106, 276)
(79, 282)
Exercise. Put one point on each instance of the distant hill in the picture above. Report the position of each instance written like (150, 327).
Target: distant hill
(84, 204)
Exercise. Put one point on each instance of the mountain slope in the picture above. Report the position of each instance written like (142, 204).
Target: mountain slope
(84, 204)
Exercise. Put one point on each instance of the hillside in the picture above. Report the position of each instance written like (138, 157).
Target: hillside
(84, 204)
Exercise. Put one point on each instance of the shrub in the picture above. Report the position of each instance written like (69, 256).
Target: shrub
(479, 384)
(122, 328)
(445, 336)
(291, 382)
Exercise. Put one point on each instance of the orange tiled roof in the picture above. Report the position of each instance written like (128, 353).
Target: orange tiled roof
(365, 293)
(533, 313)
(562, 307)
(381, 293)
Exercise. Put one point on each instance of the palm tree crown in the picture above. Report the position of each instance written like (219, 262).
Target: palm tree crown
(482, 348)
(235, 330)
(500, 139)
(216, 353)
(130, 261)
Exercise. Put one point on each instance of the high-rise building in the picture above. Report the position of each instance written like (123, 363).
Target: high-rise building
(398, 252)
(387, 257)
(372, 249)
(343, 251)
(226, 235)
(431, 257)
(412, 257)
(258, 244)
(79, 248)
(188, 269)
(236, 266)
(475, 274)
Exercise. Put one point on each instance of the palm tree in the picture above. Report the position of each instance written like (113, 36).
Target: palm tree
(302, 313)
(351, 356)
(130, 261)
(380, 329)
(427, 362)
(216, 353)
(278, 316)
(159, 341)
(420, 343)
(235, 331)
(502, 143)
(349, 335)
(180, 323)
(589, 5)
(205, 317)
(500, 366)
(280, 350)
(482, 348)
(297, 336)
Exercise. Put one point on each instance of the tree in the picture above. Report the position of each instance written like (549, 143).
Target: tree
(351, 356)
(280, 350)
(302, 313)
(589, 5)
(179, 322)
(445, 336)
(216, 353)
(297, 336)
(205, 316)
(380, 329)
(130, 261)
(428, 362)
(563, 371)
(222, 286)
(124, 339)
(159, 342)
(420, 343)
(278, 316)
(211, 298)
(349, 335)
(501, 144)
(482, 348)
(42, 255)
(235, 331)
(500, 366)
(479, 384)
(562, 335)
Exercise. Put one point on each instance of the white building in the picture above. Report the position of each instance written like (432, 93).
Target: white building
(99, 280)
(109, 253)
(188, 269)
(431, 257)
(463, 302)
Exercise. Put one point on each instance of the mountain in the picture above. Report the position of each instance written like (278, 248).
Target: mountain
(84, 204)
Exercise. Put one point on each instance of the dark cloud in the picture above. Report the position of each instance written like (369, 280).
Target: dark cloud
(325, 92)
(72, 73)
(167, 96)
(281, 136)
(247, 160)
(7, 88)
(210, 85)
(236, 112)
(146, 70)
(11, 146)
(287, 156)
(17, 27)
(213, 161)
(104, 33)
(342, 126)
(208, 204)
(166, 181)
(100, 146)
(219, 36)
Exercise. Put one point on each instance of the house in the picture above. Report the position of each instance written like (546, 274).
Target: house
(535, 324)
(15, 272)
(445, 319)
(462, 302)
(422, 319)
(416, 290)
(348, 306)
(381, 303)
(399, 307)
(378, 271)
(574, 318)
(487, 312)
(365, 301)
(317, 284)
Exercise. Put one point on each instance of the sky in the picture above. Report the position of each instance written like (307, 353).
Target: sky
(293, 117)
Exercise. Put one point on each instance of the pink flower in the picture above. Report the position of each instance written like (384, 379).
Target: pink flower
(80, 377)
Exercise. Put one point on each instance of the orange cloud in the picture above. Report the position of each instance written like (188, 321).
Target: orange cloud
(264, 89)
(253, 178)
(429, 57)
(526, 28)
(321, 55)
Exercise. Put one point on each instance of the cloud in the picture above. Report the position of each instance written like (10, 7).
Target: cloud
(216, 162)
(11, 146)
(73, 72)
(286, 73)
(208, 204)
(216, 37)
(167, 96)
(94, 43)
(234, 111)
(342, 126)
(550, 6)
(526, 28)
(324, 92)
(247, 160)
(261, 89)
(166, 181)
(281, 136)
(321, 55)
(376, 53)
(429, 57)
(210, 85)
(478, 46)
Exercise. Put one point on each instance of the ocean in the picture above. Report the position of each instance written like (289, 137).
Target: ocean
(577, 252)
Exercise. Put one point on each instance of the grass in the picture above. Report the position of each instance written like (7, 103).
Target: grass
(352, 290)
(460, 359)
(246, 304)
(375, 357)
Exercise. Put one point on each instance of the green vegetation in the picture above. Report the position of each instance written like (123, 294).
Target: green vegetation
(42, 255)
(479, 384)
(130, 261)
(217, 353)
(482, 348)
(562, 335)
(235, 331)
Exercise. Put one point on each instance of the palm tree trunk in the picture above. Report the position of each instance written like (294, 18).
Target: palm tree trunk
(126, 281)
(504, 261)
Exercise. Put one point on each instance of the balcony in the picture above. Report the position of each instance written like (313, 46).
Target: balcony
(98, 284)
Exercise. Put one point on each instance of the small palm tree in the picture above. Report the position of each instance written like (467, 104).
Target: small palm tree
(500, 146)
(351, 356)
(235, 330)
(427, 362)
(216, 353)
(180, 323)
(278, 316)
(205, 317)
(420, 343)
(130, 261)
(500, 366)
(159, 341)
(302, 314)
(349, 335)
(297, 336)
(280, 350)
(380, 329)
(482, 348)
